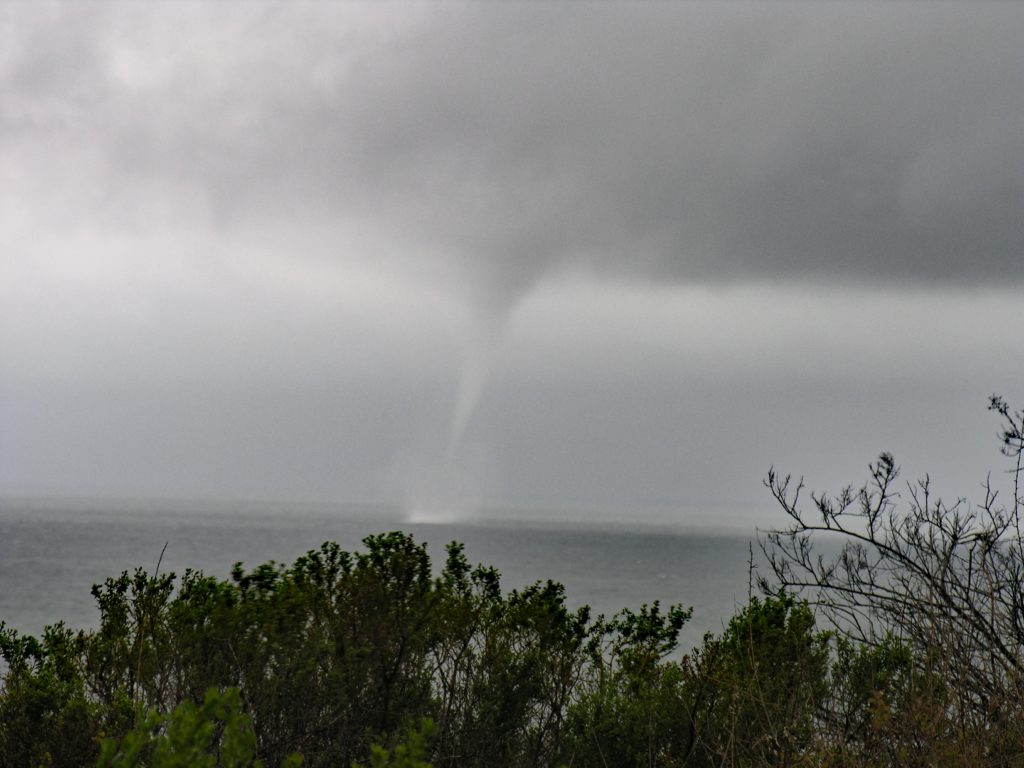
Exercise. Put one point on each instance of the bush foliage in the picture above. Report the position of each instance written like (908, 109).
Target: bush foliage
(375, 658)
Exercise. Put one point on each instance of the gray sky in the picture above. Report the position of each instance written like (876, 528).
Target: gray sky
(573, 255)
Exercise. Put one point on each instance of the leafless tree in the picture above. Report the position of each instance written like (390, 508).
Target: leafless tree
(945, 578)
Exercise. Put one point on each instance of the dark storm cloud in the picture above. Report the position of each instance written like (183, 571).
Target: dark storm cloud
(696, 142)
(243, 244)
(710, 142)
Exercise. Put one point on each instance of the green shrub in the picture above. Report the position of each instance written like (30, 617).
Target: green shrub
(336, 655)
(629, 709)
(753, 693)
(412, 753)
(213, 734)
(46, 718)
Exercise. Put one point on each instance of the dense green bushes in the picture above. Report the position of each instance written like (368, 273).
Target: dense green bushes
(370, 658)
(329, 655)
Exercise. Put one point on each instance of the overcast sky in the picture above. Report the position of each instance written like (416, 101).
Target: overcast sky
(576, 256)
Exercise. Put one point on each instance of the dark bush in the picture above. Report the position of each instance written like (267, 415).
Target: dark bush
(372, 658)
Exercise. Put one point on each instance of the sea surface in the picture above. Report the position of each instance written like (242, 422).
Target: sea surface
(51, 552)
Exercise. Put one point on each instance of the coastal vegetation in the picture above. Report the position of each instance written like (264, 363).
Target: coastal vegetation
(905, 649)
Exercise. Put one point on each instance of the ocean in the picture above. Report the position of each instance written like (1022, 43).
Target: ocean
(52, 552)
